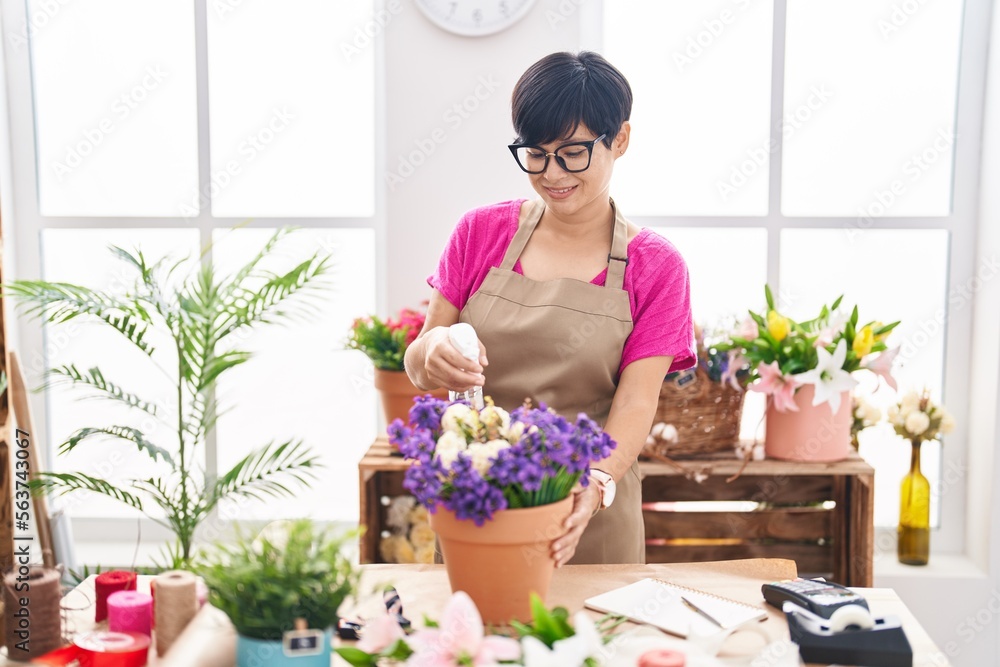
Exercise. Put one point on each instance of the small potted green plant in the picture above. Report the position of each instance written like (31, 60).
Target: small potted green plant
(282, 592)
(385, 343)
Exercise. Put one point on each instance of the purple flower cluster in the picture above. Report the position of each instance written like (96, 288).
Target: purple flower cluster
(540, 466)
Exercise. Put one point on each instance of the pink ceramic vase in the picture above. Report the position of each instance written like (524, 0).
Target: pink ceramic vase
(814, 433)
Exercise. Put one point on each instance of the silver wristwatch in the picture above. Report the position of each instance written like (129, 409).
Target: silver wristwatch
(605, 486)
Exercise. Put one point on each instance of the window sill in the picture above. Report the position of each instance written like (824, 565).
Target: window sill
(941, 566)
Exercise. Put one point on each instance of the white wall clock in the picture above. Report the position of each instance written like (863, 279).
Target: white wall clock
(474, 18)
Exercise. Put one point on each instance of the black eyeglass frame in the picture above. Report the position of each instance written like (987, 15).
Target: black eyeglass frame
(589, 145)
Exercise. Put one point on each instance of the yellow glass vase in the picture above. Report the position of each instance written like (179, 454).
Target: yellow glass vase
(913, 547)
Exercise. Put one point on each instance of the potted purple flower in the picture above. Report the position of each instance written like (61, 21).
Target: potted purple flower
(498, 487)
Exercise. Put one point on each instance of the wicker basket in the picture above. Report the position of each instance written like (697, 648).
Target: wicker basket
(706, 415)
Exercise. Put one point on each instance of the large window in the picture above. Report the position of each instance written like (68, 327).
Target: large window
(815, 144)
(170, 126)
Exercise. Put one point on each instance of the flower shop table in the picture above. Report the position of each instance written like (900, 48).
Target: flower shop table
(819, 514)
(423, 589)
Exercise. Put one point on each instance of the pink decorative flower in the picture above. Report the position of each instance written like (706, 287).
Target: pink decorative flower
(748, 329)
(882, 365)
(380, 634)
(773, 383)
(460, 639)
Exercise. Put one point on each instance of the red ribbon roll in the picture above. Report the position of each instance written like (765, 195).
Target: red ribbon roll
(108, 583)
(112, 649)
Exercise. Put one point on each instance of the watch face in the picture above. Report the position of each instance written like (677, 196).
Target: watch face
(474, 18)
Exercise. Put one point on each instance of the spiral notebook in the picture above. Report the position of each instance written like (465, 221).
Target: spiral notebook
(662, 604)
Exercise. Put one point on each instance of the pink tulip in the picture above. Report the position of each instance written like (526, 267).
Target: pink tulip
(748, 329)
(460, 639)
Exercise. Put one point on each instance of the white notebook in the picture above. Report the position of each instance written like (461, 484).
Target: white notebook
(659, 603)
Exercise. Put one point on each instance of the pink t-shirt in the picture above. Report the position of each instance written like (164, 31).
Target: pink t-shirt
(656, 279)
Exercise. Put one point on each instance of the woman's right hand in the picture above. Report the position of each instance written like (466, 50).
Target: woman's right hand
(445, 367)
(432, 362)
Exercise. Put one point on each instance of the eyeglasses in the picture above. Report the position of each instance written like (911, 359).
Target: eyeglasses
(574, 157)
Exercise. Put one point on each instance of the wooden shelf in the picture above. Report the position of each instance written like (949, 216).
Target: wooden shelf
(819, 514)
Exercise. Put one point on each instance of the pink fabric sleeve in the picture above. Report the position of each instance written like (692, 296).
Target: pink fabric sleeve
(657, 281)
(477, 244)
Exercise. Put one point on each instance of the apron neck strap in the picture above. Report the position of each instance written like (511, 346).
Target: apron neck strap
(531, 213)
(618, 259)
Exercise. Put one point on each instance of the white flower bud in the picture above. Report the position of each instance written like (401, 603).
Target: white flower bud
(909, 401)
(947, 421)
(455, 415)
(917, 422)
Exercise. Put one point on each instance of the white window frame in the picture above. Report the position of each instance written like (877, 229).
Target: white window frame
(963, 529)
(22, 248)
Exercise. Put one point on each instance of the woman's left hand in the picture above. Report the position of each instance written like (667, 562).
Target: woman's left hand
(585, 502)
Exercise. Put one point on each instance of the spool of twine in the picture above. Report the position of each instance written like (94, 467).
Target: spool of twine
(130, 611)
(31, 598)
(176, 605)
(108, 583)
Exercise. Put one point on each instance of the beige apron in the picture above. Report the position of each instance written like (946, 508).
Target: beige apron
(560, 342)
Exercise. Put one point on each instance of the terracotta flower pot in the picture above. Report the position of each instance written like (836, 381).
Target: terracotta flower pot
(814, 433)
(500, 563)
(397, 394)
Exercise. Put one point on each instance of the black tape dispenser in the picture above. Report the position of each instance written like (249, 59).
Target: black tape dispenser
(850, 636)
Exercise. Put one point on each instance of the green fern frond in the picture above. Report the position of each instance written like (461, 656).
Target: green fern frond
(133, 435)
(257, 475)
(94, 379)
(61, 302)
(61, 483)
(259, 305)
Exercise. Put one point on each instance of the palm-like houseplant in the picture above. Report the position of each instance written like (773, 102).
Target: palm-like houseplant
(199, 315)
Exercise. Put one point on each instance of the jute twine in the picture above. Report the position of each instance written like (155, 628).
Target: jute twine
(31, 598)
(176, 605)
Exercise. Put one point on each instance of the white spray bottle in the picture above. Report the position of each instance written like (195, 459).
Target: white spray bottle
(464, 338)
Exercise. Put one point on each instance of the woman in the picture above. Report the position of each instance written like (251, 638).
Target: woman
(523, 275)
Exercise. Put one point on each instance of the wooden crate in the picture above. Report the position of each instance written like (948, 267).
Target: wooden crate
(819, 514)
(380, 478)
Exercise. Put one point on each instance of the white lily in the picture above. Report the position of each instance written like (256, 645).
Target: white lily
(569, 652)
(829, 377)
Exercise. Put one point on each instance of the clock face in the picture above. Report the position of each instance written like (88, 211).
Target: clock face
(474, 18)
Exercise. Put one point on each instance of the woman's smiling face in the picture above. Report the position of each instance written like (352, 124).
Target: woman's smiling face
(569, 193)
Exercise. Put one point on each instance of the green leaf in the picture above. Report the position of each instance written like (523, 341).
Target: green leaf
(836, 304)
(133, 435)
(215, 366)
(399, 650)
(357, 657)
(260, 474)
(885, 329)
(61, 483)
(94, 379)
(769, 297)
(854, 317)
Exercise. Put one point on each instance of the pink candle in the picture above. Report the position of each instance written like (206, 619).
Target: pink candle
(130, 611)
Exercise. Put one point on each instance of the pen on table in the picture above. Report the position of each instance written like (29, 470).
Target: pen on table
(693, 607)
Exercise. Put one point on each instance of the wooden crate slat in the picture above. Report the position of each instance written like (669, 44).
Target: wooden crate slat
(810, 558)
(779, 489)
(788, 523)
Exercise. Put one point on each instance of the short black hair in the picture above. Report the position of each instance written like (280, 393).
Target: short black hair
(562, 90)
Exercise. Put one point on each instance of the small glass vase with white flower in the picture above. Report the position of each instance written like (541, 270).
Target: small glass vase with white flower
(498, 487)
(918, 419)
